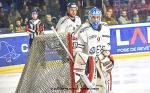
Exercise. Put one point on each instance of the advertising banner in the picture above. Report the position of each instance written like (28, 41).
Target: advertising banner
(130, 39)
(13, 49)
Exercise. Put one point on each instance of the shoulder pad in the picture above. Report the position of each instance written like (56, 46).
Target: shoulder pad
(84, 29)
(63, 19)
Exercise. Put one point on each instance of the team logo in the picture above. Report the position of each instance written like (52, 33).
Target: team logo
(92, 36)
(8, 52)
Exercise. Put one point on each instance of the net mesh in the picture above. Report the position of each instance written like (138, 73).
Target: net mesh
(48, 68)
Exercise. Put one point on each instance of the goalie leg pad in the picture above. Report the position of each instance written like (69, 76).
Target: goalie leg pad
(80, 63)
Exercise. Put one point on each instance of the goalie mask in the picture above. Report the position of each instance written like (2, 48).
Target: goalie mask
(95, 17)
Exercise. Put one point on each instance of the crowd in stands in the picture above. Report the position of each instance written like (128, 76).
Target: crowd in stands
(15, 17)
(115, 12)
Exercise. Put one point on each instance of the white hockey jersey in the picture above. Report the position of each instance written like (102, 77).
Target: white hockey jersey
(65, 24)
(92, 42)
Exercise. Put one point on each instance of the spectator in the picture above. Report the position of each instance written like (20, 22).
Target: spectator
(3, 19)
(135, 17)
(148, 19)
(109, 19)
(48, 22)
(19, 26)
(63, 7)
(111, 11)
(123, 19)
(111, 2)
(25, 13)
(11, 28)
(13, 15)
(54, 8)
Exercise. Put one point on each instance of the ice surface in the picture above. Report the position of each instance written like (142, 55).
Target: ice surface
(129, 76)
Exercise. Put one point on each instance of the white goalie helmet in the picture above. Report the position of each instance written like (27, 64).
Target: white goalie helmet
(95, 17)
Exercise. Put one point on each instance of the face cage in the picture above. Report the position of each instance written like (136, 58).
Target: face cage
(91, 20)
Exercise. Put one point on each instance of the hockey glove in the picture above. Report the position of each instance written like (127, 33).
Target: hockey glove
(106, 60)
(108, 65)
(80, 65)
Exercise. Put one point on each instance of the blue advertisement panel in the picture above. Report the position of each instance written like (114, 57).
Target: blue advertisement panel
(13, 50)
(130, 39)
(125, 39)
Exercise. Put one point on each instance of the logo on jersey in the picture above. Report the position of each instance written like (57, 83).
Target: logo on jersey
(92, 36)
(97, 50)
(98, 38)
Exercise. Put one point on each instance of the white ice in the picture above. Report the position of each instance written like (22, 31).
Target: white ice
(9, 82)
(129, 76)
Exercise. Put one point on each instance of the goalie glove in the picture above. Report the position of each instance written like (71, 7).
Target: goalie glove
(104, 54)
(106, 60)
(108, 65)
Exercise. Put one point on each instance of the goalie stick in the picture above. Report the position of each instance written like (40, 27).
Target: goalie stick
(53, 29)
(84, 78)
(98, 64)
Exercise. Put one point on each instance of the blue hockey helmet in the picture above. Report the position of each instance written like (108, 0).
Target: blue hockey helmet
(95, 17)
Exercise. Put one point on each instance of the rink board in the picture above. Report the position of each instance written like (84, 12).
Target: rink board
(130, 73)
(130, 39)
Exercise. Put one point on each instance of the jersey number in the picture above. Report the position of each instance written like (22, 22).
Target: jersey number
(96, 50)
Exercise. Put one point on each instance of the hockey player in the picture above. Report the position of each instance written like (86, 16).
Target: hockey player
(94, 40)
(34, 26)
(70, 22)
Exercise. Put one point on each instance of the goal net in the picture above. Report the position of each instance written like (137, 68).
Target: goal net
(48, 68)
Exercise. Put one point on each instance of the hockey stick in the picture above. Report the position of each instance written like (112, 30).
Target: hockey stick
(88, 83)
(53, 29)
(101, 74)
(102, 70)
(84, 78)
